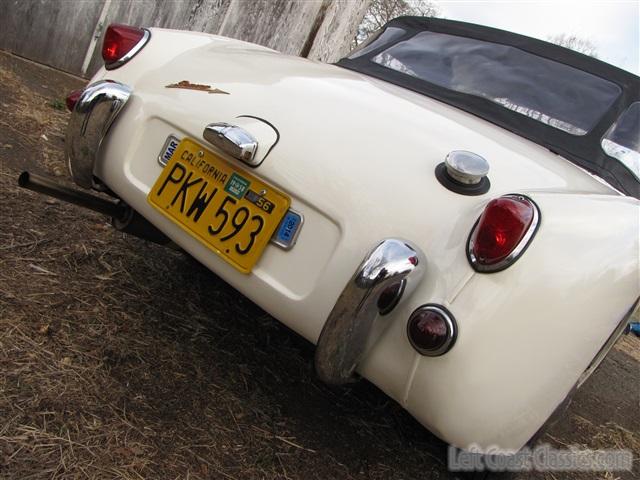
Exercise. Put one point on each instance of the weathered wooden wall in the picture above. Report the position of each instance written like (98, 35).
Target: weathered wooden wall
(335, 34)
(67, 34)
(199, 15)
(54, 33)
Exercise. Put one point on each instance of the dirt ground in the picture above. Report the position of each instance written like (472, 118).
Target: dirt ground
(122, 359)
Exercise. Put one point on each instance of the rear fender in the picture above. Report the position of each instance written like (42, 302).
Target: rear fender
(526, 334)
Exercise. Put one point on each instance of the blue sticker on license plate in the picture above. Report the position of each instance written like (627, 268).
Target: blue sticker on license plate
(288, 230)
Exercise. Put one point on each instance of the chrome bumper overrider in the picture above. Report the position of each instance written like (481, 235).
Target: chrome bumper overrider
(350, 326)
(97, 108)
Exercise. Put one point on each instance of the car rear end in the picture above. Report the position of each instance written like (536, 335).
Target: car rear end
(479, 356)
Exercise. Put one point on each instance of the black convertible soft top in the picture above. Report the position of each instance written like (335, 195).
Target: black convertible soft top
(556, 97)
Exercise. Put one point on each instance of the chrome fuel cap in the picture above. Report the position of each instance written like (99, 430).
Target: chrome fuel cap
(466, 167)
(464, 173)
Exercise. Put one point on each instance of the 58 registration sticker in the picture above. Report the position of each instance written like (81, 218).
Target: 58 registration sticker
(229, 210)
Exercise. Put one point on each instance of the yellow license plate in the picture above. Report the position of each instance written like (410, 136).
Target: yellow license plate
(226, 208)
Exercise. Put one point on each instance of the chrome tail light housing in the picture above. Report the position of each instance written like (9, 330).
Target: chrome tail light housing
(121, 43)
(502, 233)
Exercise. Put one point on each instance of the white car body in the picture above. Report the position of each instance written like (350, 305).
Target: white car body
(357, 156)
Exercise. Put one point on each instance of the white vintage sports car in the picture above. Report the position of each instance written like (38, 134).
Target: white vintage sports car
(450, 212)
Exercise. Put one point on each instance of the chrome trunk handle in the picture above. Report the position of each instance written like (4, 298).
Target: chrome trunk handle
(231, 139)
(349, 328)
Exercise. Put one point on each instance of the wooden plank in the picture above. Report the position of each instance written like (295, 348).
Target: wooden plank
(56, 33)
(200, 15)
(283, 25)
(207, 15)
(334, 38)
(59, 33)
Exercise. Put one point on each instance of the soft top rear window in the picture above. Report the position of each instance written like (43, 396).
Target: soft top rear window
(551, 95)
(550, 92)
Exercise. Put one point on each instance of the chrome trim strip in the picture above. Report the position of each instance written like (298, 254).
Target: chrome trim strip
(517, 252)
(348, 331)
(234, 140)
(97, 108)
(608, 345)
(452, 331)
(131, 53)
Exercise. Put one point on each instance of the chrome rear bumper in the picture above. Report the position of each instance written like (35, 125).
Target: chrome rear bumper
(350, 328)
(97, 108)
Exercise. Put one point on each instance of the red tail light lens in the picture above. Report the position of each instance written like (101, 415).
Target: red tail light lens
(504, 230)
(431, 330)
(121, 43)
(72, 99)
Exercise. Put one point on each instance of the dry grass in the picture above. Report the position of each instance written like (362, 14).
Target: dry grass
(31, 123)
(122, 359)
(629, 344)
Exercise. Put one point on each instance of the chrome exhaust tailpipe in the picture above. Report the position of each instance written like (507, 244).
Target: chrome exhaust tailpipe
(123, 217)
